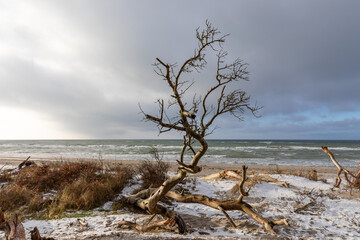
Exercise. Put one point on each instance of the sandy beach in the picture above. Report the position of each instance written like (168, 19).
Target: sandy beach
(207, 168)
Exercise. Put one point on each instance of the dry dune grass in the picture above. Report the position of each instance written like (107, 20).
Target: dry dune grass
(5, 176)
(152, 173)
(310, 174)
(50, 189)
(54, 177)
(14, 197)
(91, 191)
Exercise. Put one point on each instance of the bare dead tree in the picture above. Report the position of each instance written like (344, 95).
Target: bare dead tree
(195, 120)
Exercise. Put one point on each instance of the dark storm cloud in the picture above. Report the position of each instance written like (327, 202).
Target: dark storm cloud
(87, 64)
(307, 57)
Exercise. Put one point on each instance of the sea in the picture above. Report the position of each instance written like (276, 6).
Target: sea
(249, 152)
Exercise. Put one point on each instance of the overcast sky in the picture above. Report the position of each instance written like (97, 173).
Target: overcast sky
(79, 69)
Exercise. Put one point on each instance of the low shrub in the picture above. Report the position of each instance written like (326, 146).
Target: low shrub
(45, 178)
(81, 194)
(309, 174)
(121, 175)
(13, 197)
(153, 173)
(6, 176)
(38, 178)
(91, 191)
(55, 188)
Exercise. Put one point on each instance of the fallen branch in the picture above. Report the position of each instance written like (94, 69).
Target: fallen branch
(82, 222)
(340, 170)
(250, 181)
(165, 225)
(231, 173)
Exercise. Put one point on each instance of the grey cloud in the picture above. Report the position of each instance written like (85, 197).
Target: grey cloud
(332, 129)
(303, 56)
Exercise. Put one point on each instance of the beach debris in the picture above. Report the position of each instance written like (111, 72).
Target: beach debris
(13, 228)
(160, 226)
(353, 181)
(35, 235)
(82, 222)
(26, 163)
(250, 181)
(231, 173)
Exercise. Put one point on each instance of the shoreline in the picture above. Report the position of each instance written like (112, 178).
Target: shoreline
(207, 168)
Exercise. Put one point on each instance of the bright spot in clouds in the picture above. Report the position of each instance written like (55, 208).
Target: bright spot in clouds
(25, 124)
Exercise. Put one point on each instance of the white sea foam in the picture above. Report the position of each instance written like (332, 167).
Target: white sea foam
(306, 153)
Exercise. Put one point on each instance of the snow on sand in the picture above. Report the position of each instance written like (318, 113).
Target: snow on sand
(314, 211)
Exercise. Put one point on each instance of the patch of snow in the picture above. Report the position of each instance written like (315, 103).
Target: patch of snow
(6, 167)
(301, 182)
(313, 213)
(271, 191)
(128, 189)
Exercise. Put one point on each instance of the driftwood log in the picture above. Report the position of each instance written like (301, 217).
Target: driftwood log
(231, 173)
(251, 181)
(26, 163)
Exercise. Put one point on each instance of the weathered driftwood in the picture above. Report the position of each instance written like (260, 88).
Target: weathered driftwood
(82, 222)
(26, 163)
(251, 181)
(165, 225)
(221, 205)
(354, 182)
(231, 173)
(13, 228)
(35, 235)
